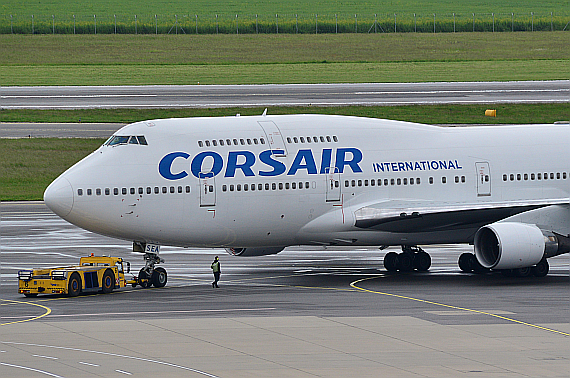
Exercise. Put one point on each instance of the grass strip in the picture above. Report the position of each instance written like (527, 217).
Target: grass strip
(27, 166)
(312, 73)
(430, 114)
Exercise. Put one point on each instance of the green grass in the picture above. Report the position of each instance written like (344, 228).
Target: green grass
(430, 114)
(259, 59)
(271, 7)
(27, 166)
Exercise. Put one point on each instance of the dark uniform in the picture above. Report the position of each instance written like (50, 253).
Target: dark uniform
(216, 269)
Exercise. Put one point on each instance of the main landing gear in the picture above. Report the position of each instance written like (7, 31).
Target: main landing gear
(468, 263)
(411, 258)
(151, 275)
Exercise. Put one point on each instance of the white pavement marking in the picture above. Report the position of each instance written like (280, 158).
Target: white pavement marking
(88, 364)
(123, 372)
(48, 357)
(107, 354)
(31, 369)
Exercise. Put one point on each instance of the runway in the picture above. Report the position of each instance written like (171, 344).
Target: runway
(212, 96)
(306, 312)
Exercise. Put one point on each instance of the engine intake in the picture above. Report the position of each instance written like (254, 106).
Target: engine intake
(510, 245)
(255, 251)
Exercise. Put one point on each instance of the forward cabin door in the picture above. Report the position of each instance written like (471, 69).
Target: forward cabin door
(274, 138)
(332, 184)
(483, 179)
(208, 191)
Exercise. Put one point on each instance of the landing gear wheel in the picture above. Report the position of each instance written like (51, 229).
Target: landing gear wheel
(391, 261)
(159, 277)
(465, 262)
(523, 272)
(108, 283)
(144, 279)
(541, 269)
(405, 262)
(422, 261)
(74, 285)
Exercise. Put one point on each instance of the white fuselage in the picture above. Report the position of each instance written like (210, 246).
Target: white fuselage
(302, 179)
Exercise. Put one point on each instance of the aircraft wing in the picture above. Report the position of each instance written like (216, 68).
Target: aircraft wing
(410, 216)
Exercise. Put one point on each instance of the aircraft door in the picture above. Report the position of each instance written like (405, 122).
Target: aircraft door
(332, 184)
(274, 137)
(483, 179)
(207, 191)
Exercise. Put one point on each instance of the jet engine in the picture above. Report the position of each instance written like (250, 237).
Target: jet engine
(510, 245)
(254, 251)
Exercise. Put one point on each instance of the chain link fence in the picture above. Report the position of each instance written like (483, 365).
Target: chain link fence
(282, 23)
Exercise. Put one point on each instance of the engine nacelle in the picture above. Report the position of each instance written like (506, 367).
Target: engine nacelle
(254, 251)
(511, 245)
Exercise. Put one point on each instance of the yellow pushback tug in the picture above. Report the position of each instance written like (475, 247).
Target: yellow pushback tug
(94, 273)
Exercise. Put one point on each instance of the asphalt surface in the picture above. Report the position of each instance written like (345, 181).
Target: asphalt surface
(304, 312)
(208, 96)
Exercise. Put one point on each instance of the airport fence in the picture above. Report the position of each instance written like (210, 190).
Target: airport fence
(282, 23)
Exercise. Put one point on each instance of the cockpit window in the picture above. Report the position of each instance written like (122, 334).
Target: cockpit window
(142, 140)
(118, 139)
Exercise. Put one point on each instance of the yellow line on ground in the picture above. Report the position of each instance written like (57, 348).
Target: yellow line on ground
(353, 284)
(48, 311)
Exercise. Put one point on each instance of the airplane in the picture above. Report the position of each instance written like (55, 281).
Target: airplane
(257, 184)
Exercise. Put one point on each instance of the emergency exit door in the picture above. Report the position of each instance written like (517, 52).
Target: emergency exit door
(332, 184)
(207, 191)
(483, 179)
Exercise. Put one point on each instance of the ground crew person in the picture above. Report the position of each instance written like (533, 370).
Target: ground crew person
(216, 269)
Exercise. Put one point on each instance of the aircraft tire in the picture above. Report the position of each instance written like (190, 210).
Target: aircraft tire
(159, 277)
(108, 281)
(422, 261)
(144, 279)
(74, 285)
(391, 261)
(523, 272)
(464, 262)
(405, 262)
(541, 269)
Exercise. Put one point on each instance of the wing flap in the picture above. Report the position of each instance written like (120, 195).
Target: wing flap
(406, 216)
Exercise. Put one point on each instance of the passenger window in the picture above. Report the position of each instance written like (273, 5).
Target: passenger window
(564, 175)
(262, 140)
(116, 191)
(228, 142)
(372, 182)
(315, 139)
(462, 179)
(259, 186)
(267, 186)
(412, 181)
(322, 138)
(207, 143)
(518, 176)
(345, 184)
(385, 182)
(286, 185)
(141, 190)
(353, 182)
(172, 190)
(418, 181)
(156, 190)
(231, 187)
(211, 188)
(328, 138)
(335, 138)
(558, 176)
(132, 190)
(179, 189)
(164, 190)
(392, 182)
(280, 186)
(107, 191)
(253, 187)
(221, 142)
(187, 188)
(405, 181)
(246, 187)
(444, 180)
(359, 182)
(273, 186)
(148, 190)
(214, 143)
(79, 192)
(242, 142)
(98, 191)
(224, 188)
(512, 177)
(399, 181)
(289, 140)
(308, 139)
(365, 182)
(457, 179)
(486, 178)
(552, 176)
(255, 141)
(248, 141)
(235, 142)
(294, 185)
(532, 177)
(539, 176)
(525, 176)
(124, 191)
(89, 192)
(307, 185)
(504, 177)
(200, 144)
(238, 187)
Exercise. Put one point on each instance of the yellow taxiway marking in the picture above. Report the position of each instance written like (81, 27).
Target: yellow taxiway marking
(354, 285)
(48, 311)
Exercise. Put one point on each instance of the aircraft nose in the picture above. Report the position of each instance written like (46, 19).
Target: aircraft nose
(59, 197)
